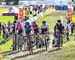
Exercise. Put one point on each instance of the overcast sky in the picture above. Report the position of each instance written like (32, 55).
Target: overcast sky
(50, 2)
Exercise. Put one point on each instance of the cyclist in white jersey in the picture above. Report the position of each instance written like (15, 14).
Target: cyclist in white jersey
(45, 33)
(44, 27)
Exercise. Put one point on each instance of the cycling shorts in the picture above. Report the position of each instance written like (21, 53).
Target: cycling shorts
(28, 31)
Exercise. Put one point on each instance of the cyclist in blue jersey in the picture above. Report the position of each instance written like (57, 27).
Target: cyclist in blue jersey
(28, 32)
(28, 28)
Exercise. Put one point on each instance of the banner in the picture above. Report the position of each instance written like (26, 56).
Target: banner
(21, 13)
(70, 14)
(61, 7)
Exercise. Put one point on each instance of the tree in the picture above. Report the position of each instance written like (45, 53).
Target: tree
(16, 2)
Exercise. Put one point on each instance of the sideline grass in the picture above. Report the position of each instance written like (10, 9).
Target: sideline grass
(5, 19)
(73, 18)
(3, 9)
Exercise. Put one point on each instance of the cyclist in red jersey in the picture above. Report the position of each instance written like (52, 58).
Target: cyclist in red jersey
(36, 33)
(35, 28)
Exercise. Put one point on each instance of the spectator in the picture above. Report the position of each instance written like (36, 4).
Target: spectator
(9, 25)
(14, 36)
(0, 28)
(6, 33)
(72, 28)
(11, 29)
(31, 9)
(3, 27)
(67, 32)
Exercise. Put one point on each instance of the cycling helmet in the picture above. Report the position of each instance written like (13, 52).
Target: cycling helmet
(33, 22)
(43, 22)
(59, 21)
(26, 17)
(27, 23)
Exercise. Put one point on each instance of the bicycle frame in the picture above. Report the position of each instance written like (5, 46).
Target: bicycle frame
(46, 40)
(29, 43)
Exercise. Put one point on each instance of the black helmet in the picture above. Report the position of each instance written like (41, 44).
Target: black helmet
(26, 17)
(43, 22)
(59, 21)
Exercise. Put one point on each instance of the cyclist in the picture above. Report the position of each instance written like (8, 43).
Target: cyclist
(36, 32)
(26, 19)
(19, 28)
(28, 32)
(35, 27)
(59, 31)
(44, 32)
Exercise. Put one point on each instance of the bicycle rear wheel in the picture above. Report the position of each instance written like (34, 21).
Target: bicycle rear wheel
(46, 44)
(30, 46)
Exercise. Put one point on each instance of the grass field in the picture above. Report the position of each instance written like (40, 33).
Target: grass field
(67, 52)
(5, 19)
(3, 9)
(73, 18)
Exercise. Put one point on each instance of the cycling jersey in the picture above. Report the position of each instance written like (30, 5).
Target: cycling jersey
(28, 29)
(44, 29)
(30, 22)
(19, 26)
(35, 28)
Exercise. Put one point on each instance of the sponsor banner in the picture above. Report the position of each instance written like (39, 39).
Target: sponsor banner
(70, 14)
(9, 14)
(21, 13)
(61, 7)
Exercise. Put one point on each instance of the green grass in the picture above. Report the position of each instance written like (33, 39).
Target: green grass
(3, 9)
(5, 19)
(73, 18)
(6, 47)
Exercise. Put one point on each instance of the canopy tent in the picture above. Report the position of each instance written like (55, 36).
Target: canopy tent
(12, 11)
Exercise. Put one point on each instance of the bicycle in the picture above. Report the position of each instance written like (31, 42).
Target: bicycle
(46, 39)
(30, 44)
(36, 36)
(60, 40)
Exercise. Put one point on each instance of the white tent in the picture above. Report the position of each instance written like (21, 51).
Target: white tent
(12, 10)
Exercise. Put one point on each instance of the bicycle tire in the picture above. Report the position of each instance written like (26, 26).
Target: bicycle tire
(30, 45)
(46, 44)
